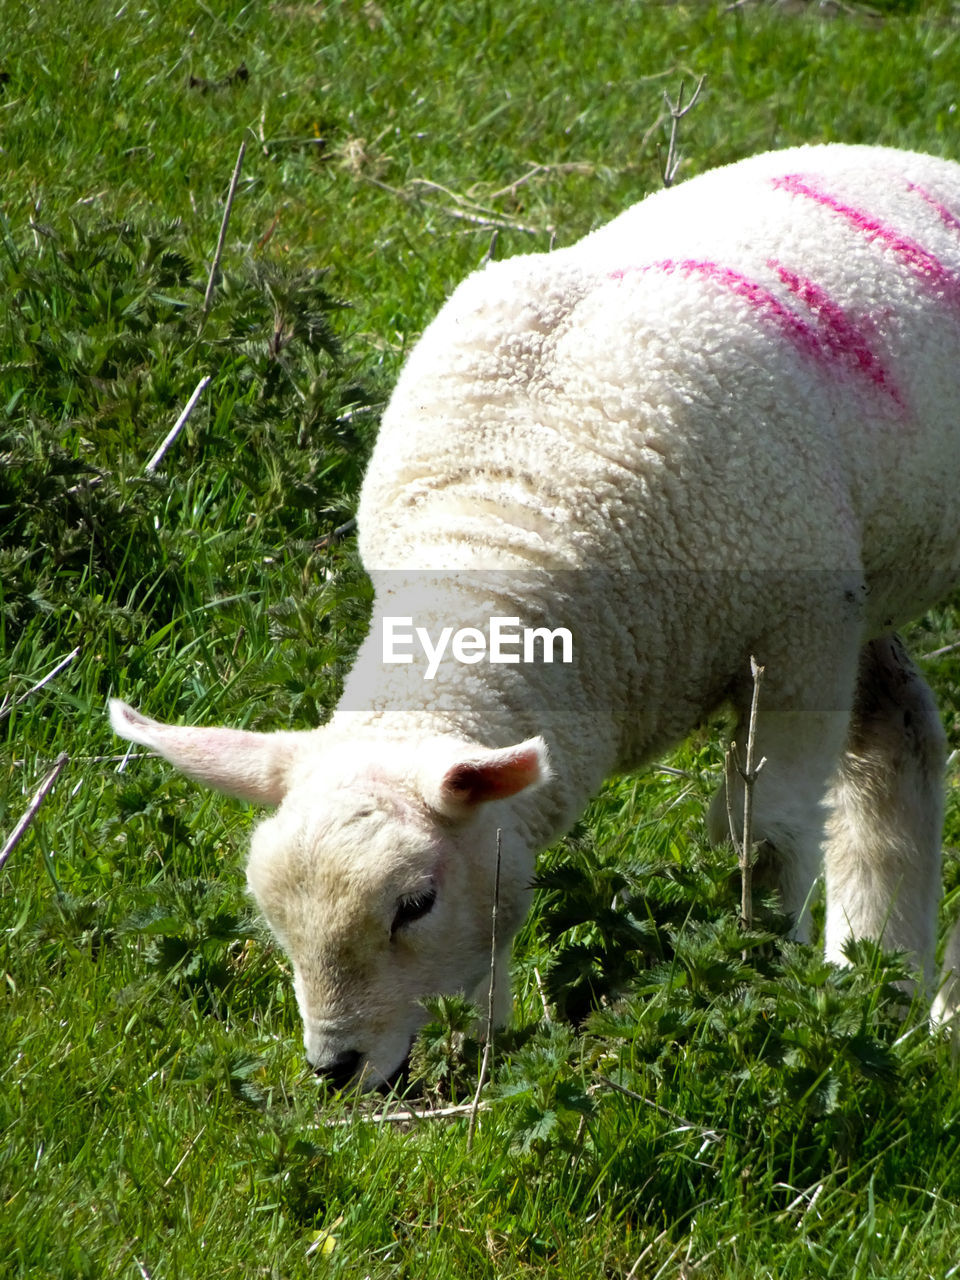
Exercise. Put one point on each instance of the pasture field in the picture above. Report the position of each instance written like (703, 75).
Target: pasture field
(675, 1098)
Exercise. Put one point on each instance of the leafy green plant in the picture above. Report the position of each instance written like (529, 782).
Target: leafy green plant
(446, 1053)
(192, 931)
(610, 919)
(105, 322)
(547, 1096)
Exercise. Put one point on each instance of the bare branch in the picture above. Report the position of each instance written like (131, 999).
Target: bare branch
(491, 248)
(463, 209)
(178, 425)
(677, 112)
(488, 1039)
(330, 538)
(180, 1163)
(215, 265)
(714, 1135)
(543, 996)
(940, 653)
(748, 772)
(16, 835)
(730, 770)
(749, 779)
(493, 221)
(568, 166)
(9, 704)
(671, 772)
(404, 1115)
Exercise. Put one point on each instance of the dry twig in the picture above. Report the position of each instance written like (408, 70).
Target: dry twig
(491, 248)
(940, 653)
(215, 265)
(180, 1163)
(569, 166)
(712, 1135)
(17, 834)
(677, 112)
(488, 1039)
(406, 1115)
(463, 209)
(329, 539)
(748, 772)
(543, 996)
(9, 703)
(178, 425)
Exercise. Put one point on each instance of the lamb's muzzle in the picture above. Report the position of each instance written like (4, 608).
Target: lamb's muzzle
(341, 1070)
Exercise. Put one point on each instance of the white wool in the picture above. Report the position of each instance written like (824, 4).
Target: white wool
(723, 425)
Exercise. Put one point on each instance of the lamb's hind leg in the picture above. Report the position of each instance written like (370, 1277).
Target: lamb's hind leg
(883, 832)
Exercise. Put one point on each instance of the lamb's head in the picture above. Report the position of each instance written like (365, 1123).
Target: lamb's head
(376, 872)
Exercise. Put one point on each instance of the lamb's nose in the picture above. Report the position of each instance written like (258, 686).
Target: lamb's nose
(339, 1071)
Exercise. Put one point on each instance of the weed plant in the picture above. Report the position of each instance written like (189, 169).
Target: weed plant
(675, 1097)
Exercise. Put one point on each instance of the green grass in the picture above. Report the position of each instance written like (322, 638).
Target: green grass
(773, 1117)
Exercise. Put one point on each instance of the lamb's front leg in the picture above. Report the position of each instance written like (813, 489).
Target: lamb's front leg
(883, 836)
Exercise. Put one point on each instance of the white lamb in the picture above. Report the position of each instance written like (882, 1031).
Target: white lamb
(723, 425)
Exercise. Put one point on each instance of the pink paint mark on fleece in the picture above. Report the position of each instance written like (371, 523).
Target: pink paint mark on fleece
(913, 255)
(759, 297)
(830, 336)
(839, 334)
(946, 217)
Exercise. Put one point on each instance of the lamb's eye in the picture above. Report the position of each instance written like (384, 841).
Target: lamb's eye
(413, 907)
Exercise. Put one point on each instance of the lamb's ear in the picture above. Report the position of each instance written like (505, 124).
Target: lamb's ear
(489, 775)
(252, 766)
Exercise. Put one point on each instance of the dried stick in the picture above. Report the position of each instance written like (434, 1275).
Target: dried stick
(488, 1041)
(749, 779)
(9, 704)
(329, 539)
(405, 1115)
(939, 653)
(215, 265)
(569, 166)
(713, 1135)
(42, 792)
(475, 215)
(180, 1163)
(677, 112)
(178, 425)
(117, 758)
(748, 772)
(543, 997)
(729, 774)
(491, 221)
(491, 248)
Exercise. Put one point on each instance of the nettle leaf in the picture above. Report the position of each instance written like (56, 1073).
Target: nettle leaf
(535, 1134)
(152, 921)
(572, 1096)
(873, 1057)
(446, 1053)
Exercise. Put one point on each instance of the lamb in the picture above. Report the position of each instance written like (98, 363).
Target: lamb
(723, 425)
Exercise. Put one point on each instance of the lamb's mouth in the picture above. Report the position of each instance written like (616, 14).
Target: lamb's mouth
(351, 1069)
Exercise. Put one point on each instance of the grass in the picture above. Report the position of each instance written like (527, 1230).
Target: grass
(729, 1117)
